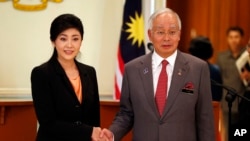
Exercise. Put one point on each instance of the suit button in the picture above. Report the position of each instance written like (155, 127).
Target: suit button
(78, 123)
(161, 122)
(77, 106)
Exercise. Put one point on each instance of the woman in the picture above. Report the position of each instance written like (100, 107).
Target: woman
(202, 48)
(65, 91)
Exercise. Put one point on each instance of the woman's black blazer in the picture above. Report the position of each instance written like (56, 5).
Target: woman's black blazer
(61, 116)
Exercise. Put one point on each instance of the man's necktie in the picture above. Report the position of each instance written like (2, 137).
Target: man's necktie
(161, 90)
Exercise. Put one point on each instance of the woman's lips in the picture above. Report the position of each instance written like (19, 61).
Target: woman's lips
(68, 52)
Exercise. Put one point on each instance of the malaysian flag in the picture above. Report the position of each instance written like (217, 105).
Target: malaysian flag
(131, 43)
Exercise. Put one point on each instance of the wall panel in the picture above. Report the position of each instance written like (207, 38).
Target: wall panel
(211, 18)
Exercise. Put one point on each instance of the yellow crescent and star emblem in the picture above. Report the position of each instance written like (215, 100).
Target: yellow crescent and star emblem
(136, 29)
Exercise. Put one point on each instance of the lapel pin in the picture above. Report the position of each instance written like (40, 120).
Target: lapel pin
(179, 72)
(145, 71)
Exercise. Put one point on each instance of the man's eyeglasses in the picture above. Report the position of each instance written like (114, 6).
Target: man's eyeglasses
(171, 33)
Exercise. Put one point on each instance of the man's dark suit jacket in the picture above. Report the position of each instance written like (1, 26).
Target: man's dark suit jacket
(61, 116)
(188, 113)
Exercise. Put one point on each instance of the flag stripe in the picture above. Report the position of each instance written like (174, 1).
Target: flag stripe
(131, 43)
(120, 61)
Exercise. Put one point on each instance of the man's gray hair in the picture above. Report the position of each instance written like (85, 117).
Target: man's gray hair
(160, 11)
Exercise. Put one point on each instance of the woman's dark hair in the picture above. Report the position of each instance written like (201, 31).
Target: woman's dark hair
(62, 23)
(201, 47)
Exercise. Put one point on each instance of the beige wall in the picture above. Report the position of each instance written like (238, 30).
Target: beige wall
(24, 38)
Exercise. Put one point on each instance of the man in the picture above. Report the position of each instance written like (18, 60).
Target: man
(230, 76)
(184, 110)
(243, 64)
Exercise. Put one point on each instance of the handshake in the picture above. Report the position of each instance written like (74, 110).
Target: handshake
(99, 134)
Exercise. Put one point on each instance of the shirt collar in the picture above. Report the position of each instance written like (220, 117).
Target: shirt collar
(157, 59)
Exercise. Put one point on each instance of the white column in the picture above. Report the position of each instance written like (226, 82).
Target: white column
(160, 3)
(148, 7)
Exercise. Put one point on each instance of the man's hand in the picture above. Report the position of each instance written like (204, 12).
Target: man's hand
(245, 75)
(96, 135)
(108, 134)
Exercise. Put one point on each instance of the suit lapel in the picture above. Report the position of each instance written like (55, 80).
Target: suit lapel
(61, 72)
(145, 71)
(180, 72)
(65, 80)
